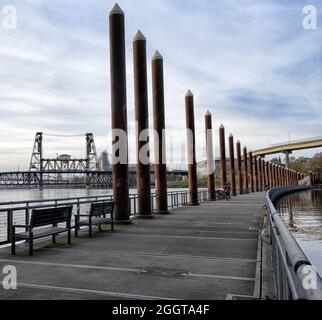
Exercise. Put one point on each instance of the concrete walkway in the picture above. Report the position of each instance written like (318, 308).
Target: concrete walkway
(207, 252)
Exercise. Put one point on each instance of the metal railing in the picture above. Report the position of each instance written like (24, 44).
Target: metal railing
(292, 269)
(18, 212)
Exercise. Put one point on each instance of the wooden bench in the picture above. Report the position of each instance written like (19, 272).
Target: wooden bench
(46, 221)
(97, 216)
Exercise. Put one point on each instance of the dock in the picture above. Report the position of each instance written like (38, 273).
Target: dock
(209, 252)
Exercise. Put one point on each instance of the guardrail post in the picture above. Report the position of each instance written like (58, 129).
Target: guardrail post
(232, 165)
(222, 145)
(191, 148)
(246, 184)
(239, 168)
(119, 112)
(142, 127)
(251, 172)
(210, 158)
(161, 206)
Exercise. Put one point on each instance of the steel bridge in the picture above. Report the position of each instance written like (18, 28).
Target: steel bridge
(65, 171)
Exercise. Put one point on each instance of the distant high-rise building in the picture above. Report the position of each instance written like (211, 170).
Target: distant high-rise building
(104, 161)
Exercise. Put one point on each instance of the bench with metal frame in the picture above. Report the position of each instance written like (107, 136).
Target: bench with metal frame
(97, 216)
(46, 221)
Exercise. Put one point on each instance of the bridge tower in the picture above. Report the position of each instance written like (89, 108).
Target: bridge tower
(92, 163)
(36, 163)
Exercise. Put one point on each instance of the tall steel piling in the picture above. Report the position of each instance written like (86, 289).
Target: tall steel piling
(232, 165)
(161, 206)
(222, 145)
(256, 173)
(191, 143)
(210, 158)
(119, 115)
(246, 180)
(251, 172)
(239, 168)
(264, 174)
(142, 126)
(260, 173)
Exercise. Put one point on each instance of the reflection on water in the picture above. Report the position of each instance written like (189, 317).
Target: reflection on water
(302, 212)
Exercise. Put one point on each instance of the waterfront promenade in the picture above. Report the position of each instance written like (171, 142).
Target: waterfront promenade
(207, 252)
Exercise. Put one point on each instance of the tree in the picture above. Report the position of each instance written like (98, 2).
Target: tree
(299, 167)
(315, 165)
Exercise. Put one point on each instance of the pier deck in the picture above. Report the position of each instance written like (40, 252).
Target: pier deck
(206, 252)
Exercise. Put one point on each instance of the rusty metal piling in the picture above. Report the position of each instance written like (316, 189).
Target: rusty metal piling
(191, 144)
(119, 114)
(142, 126)
(161, 205)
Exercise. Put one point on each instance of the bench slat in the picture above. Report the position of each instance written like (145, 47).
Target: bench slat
(41, 233)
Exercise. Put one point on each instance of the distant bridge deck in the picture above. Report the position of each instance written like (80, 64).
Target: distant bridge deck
(290, 146)
(207, 252)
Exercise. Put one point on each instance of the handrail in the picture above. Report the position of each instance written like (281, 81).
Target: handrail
(290, 263)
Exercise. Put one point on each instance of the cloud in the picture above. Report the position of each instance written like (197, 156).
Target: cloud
(251, 63)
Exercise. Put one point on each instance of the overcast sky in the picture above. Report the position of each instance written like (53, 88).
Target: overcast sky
(250, 62)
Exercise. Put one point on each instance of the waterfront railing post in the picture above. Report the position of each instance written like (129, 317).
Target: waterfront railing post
(142, 126)
(239, 168)
(191, 149)
(210, 158)
(222, 145)
(119, 114)
(161, 206)
(232, 165)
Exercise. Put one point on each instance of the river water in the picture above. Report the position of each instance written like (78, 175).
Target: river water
(302, 212)
(34, 194)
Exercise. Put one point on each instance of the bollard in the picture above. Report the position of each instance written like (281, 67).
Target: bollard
(210, 158)
(251, 172)
(246, 185)
(191, 147)
(232, 165)
(239, 168)
(159, 127)
(119, 113)
(256, 174)
(222, 145)
(142, 120)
